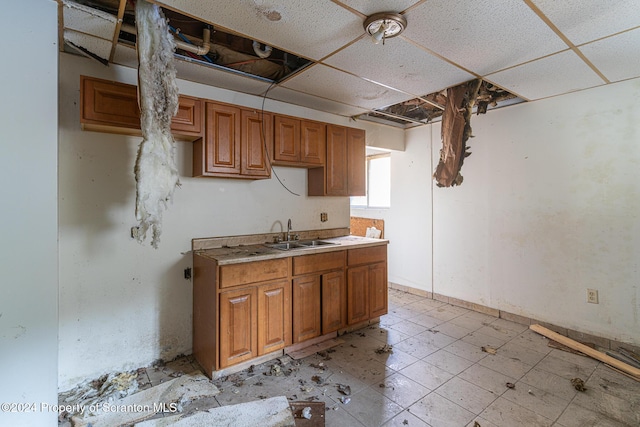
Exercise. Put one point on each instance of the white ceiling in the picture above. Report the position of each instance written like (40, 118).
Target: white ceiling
(533, 48)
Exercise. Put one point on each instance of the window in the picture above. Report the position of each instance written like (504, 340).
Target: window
(378, 171)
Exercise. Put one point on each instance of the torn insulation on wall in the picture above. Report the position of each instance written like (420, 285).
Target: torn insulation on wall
(456, 130)
(155, 170)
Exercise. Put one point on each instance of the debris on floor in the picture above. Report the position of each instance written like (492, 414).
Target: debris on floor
(309, 414)
(344, 389)
(510, 385)
(489, 349)
(385, 349)
(273, 412)
(169, 396)
(107, 388)
(578, 384)
(321, 346)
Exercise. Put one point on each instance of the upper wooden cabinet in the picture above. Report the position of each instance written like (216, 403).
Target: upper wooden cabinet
(108, 106)
(235, 143)
(298, 142)
(344, 171)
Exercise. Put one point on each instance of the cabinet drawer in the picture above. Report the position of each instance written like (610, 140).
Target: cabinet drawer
(318, 262)
(251, 272)
(367, 255)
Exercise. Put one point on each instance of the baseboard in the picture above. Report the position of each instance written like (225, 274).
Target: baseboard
(600, 342)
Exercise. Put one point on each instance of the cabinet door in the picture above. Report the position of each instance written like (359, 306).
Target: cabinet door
(336, 166)
(313, 138)
(188, 119)
(109, 103)
(237, 326)
(378, 289)
(257, 134)
(334, 298)
(357, 294)
(306, 308)
(274, 316)
(356, 179)
(287, 139)
(222, 139)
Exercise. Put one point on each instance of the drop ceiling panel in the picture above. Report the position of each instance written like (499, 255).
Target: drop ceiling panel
(405, 66)
(95, 45)
(313, 29)
(195, 72)
(617, 57)
(556, 74)
(87, 20)
(368, 7)
(328, 83)
(482, 36)
(586, 20)
(314, 102)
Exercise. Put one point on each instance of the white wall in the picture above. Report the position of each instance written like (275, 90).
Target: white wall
(122, 304)
(28, 246)
(549, 207)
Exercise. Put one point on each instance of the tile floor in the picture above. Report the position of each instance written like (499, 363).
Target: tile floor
(437, 375)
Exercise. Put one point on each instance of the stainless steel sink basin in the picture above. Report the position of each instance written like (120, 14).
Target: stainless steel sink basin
(285, 246)
(303, 244)
(315, 243)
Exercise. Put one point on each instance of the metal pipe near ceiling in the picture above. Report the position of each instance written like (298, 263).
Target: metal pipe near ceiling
(198, 50)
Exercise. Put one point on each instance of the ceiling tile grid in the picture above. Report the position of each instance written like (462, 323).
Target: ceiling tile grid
(561, 73)
(329, 83)
(311, 29)
(586, 20)
(302, 99)
(617, 57)
(482, 36)
(512, 43)
(399, 64)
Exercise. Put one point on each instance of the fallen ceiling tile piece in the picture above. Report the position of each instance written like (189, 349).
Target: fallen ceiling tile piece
(272, 412)
(138, 407)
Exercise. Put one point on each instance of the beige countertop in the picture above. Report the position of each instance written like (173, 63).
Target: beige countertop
(227, 253)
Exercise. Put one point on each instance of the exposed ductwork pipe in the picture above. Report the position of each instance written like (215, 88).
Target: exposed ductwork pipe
(198, 50)
(260, 52)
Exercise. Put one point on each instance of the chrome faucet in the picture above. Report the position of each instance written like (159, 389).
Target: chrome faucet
(295, 236)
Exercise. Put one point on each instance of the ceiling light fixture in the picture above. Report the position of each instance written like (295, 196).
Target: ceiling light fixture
(384, 25)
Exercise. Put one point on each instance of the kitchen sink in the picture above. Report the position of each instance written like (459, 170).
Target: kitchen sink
(285, 246)
(303, 244)
(315, 243)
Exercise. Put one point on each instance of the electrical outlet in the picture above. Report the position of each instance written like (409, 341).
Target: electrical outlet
(324, 217)
(592, 296)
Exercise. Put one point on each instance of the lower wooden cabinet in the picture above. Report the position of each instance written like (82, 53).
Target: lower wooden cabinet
(249, 309)
(254, 321)
(274, 316)
(306, 308)
(358, 294)
(367, 285)
(238, 324)
(334, 301)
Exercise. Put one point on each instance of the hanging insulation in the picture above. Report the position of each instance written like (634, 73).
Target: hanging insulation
(155, 170)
